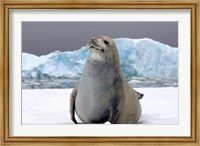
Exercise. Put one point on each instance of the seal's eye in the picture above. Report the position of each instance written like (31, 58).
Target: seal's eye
(106, 42)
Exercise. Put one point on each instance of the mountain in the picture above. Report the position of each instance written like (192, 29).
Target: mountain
(138, 58)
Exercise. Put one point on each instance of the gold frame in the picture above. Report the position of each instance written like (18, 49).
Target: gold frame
(193, 5)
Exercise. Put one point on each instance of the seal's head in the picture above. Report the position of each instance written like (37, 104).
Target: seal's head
(101, 48)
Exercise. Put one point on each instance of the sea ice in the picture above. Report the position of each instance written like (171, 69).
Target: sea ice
(51, 106)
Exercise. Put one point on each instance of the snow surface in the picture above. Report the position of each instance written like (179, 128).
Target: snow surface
(138, 58)
(51, 106)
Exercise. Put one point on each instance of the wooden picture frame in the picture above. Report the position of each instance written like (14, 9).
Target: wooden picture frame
(7, 5)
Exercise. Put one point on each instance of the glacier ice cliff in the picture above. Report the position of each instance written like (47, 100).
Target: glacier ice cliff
(138, 58)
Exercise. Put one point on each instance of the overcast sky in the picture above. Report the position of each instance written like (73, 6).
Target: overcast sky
(41, 38)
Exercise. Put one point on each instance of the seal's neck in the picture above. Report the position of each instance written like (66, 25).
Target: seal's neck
(106, 64)
(99, 69)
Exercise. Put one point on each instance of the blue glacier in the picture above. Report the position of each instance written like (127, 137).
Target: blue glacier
(138, 58)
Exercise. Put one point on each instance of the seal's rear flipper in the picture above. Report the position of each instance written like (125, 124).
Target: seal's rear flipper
(139, 95)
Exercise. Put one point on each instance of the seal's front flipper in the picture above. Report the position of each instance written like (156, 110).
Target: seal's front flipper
(113, 115)
(72, 105)
(114, 110)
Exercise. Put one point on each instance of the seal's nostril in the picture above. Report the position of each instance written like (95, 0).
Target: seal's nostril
(93, 38)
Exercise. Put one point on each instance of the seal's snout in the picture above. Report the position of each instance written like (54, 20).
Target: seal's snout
(95, 44)
(100, 44)
(94, 41)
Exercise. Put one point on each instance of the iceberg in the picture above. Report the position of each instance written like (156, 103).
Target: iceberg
(29, 61)
(138, 58)
(147, 58)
